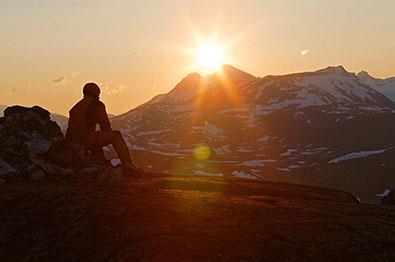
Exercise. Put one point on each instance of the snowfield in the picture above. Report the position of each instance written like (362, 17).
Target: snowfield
(241, 174)
(355, 155)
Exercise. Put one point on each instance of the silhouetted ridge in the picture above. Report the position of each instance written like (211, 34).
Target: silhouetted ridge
(191, 79)
(236, 74)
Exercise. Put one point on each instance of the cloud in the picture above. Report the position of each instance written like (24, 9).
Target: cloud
(304, 52)
(61, 80)
(29, 85)
(75, 74)
(112, 90)
(58, 80)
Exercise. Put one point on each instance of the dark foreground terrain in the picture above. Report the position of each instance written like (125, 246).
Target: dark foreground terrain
(184, 219)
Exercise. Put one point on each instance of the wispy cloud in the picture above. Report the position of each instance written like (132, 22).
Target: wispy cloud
(112, 90)
(58, 80)
(61, 80)
(304, 52)
(75, 74)
(29, 85)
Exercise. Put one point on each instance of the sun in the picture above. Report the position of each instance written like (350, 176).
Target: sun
(209, 57)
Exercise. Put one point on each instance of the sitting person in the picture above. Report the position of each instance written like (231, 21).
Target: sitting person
(84, 117)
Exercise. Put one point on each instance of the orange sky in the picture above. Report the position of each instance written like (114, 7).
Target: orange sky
(137, 49)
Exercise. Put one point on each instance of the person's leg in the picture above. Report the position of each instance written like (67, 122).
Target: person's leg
(98, 151)
(114, 137)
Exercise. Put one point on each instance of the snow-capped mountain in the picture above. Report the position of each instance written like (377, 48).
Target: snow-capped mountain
(234, 124)
(61, 120)
(2, 108)
(385, 86)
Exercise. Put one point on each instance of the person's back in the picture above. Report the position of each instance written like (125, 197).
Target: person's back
(84, 116)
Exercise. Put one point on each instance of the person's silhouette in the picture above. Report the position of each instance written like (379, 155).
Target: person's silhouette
(84, 116)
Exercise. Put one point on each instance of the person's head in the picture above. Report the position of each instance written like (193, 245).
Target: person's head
(92, 90)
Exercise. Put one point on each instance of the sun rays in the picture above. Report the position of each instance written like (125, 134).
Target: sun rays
(218, 83)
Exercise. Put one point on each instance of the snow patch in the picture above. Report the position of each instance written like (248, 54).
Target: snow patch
(289, 152)
(223, 150)
(203, 173)
(265, 138)
(384, 193)
(355, 155)
(256, 162)
(241, 174)
(154, 132)
(209, 128)
(115, 161)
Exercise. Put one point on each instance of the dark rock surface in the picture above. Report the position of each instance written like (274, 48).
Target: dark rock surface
(389, 199)
(116, 218)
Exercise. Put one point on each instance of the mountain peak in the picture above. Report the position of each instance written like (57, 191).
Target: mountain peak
(364, 75)
(191, 79)
(232, 73)
(188, 87)
(365, 78)
(236, 73)
(194, 83)
(334, 70)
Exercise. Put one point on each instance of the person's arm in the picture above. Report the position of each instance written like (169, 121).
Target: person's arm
(102, 118)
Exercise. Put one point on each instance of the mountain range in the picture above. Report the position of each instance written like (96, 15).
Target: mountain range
(329, 127)
(319, 127)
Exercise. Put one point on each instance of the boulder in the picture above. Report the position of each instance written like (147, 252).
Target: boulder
(48, 167)
(38, 145)
(32, 145)
(19, 110)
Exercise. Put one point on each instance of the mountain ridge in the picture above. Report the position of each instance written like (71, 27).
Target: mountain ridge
(196, 77)
(265, 128)
(385, 86)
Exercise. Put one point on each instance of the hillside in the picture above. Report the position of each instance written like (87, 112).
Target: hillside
(171, 218)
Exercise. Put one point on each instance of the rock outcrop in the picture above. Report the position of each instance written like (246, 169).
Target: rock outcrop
(32, 147)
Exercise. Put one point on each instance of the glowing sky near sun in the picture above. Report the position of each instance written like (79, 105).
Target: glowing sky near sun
(137, 49)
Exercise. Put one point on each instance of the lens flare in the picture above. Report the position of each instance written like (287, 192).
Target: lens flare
(202, 152)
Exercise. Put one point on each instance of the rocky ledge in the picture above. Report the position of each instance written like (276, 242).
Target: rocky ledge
(32, 147)
(189, 219)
